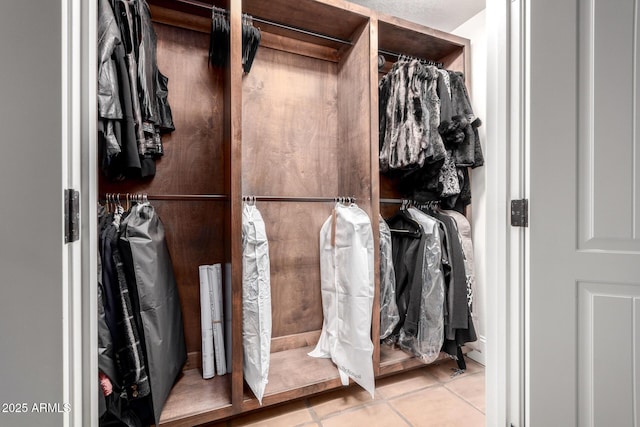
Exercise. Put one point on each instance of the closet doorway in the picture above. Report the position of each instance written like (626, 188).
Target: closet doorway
(333, 72)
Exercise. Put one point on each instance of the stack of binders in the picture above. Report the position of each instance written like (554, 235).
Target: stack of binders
(214, 357)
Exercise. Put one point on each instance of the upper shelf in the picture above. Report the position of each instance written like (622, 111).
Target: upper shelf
(340, 21)
(336, 19)
(401, 36)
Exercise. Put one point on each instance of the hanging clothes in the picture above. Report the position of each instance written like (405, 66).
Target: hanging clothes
(420, 279)
(408, 243)
(464, 126)
(132, 93)
(459, 328)
(389, 316)
(256, 301)
(347, 283)
(428, 133)
(427, 341)
(432, 284)
(464, 231)
(409, 117)
(141, 347)
(120, 317)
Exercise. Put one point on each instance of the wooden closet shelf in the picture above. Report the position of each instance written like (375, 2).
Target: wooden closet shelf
(194, 400)
(294, 374)
(394, 360)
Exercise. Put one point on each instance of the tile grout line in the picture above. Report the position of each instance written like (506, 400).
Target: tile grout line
(351, 409)
(315, 416)
(401, 415)
(464, 398)
(384, 400)
(380, 400)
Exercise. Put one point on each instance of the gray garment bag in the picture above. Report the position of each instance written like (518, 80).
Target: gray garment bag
(150, 271)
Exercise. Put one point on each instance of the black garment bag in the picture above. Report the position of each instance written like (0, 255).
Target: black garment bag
(148, 265)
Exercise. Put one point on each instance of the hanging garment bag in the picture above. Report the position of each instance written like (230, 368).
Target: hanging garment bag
(427, 341)
(389, 316)
(149, 267)
(347, 283)
(256, 301)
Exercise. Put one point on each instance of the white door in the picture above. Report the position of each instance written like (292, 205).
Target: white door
(47, 332)
(31, 214)
(583, 290)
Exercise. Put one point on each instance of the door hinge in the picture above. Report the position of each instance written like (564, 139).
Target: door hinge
(71, 215)
(520, 213)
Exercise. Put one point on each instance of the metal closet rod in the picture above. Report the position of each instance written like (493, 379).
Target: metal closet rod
(414, 202)
(224, 197)
(296, 199)
(302, 31)
(392, 201)
(195, 197)
(398, 55)
(286, 27)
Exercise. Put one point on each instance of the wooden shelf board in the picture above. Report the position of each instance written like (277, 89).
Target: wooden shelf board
(194, 400)
(393, 359)
(294, 374)
(332, 18)
(400, 36)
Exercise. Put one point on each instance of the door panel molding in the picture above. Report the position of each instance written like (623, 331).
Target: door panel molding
(608, 217)
(608, 337)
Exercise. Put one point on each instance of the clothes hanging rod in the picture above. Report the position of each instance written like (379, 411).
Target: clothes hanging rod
(392, 201)
(398, 55)
(297, 199)
(221, 197)
(302, 31)
(279, 25)
(185, 197)
(401, 201)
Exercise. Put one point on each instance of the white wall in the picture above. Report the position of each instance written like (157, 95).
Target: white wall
(31, 294)
(475, 30)
(443, 15)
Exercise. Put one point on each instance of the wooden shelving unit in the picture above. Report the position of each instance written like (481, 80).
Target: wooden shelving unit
(303, 122)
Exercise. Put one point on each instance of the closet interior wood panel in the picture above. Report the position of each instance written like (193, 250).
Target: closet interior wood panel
(302, 123)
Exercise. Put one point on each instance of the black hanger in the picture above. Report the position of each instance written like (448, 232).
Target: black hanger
(403, 215)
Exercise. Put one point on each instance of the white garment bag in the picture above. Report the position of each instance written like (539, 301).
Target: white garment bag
(347, 284)
(256, 301)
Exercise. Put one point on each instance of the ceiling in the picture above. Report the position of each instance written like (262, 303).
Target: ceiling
(445, 15)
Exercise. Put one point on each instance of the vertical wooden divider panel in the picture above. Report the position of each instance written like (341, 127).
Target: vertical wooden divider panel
(234, 121)
(375, 182)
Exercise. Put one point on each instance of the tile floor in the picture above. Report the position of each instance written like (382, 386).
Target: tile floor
(422, 397)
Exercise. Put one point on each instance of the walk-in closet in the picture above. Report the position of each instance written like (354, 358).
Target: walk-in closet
(296, 133)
